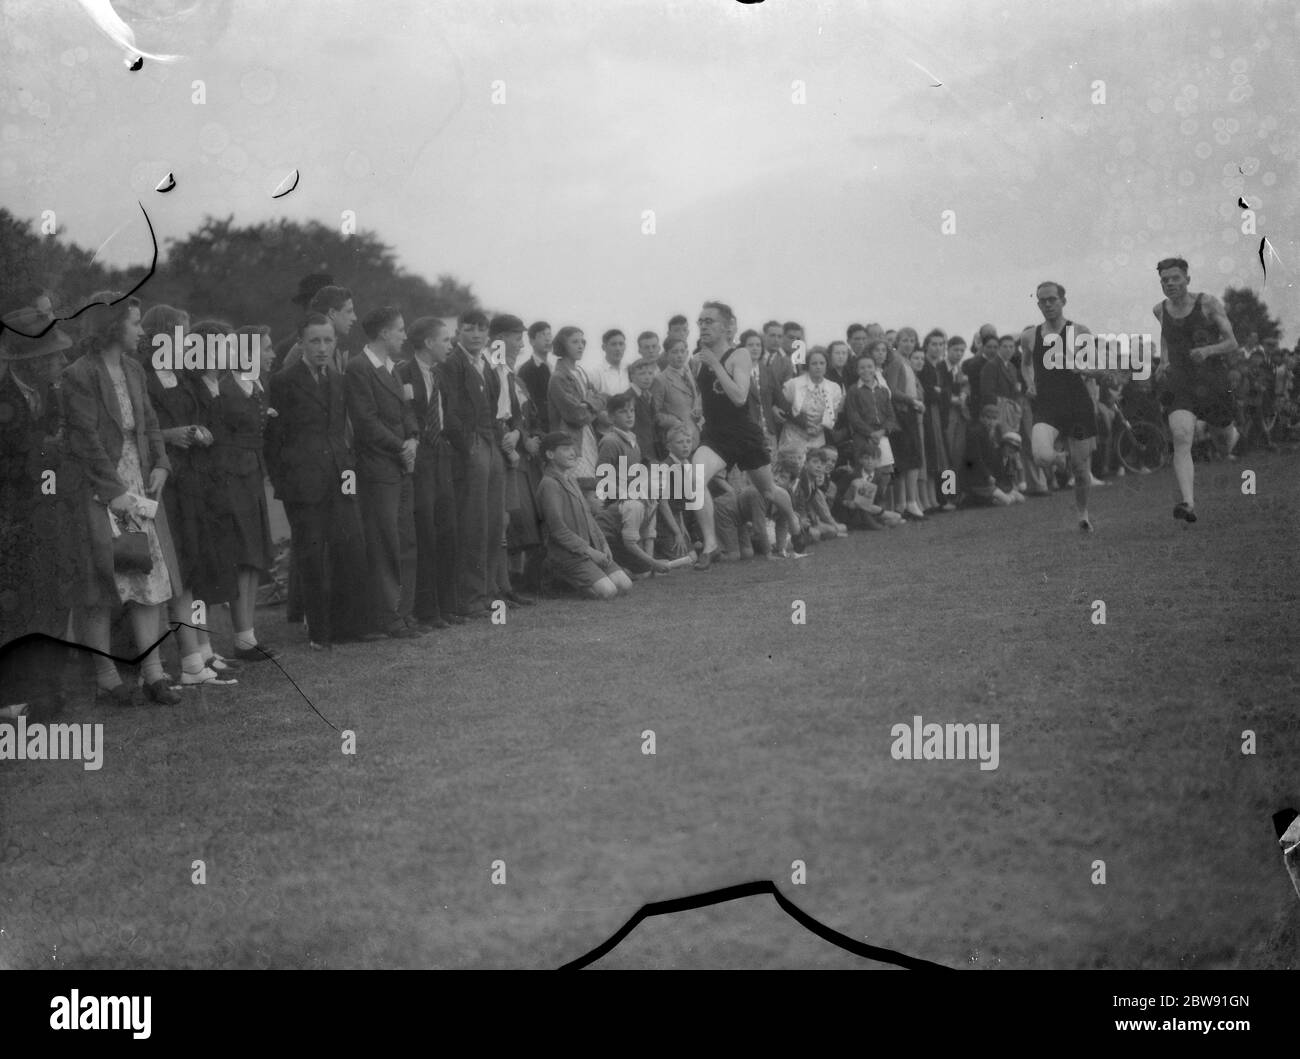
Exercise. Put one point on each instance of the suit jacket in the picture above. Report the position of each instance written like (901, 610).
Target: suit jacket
(866, 411)
(24, 451)
(306, 451)
(998, 379)
(572, 404)
(382, 419)
(936, 387)
(469, 401)
(972, 368)
(675, 398)
(570, 525)
(772, 379)
(954, 381)
(238, 422)
(537, 378)
(647, 437)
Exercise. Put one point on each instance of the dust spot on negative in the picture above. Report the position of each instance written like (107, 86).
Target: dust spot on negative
(135, 64)
(286, 185)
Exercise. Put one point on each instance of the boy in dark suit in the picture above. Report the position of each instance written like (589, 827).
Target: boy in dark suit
(308, 460)
(434, 600)
(386, 441)
(470, 400)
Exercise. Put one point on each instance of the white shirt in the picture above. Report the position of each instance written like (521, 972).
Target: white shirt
(382, 363)
(610, 380)
(426, 372)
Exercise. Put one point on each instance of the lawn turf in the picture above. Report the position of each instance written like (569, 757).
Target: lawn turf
(523, 743)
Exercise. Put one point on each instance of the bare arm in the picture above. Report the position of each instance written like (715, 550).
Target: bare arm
(734, 377)
(1027, 361)
(1227, 341)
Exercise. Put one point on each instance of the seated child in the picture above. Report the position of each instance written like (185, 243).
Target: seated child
(673, 541)
(576, 548)
(818, 466)
(628, 525)
(989, 475)
(859, 497)
(800, 485)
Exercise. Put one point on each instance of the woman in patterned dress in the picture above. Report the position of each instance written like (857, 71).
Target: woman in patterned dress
(117, 460)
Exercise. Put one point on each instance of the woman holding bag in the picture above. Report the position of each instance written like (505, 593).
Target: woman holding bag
(119, 468)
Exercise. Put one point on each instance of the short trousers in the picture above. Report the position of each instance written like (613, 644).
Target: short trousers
(1071, 414)
(580, 571)
(743, 446)
(1202, 389)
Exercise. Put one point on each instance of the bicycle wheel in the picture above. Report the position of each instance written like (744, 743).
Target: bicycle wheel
(1142, 447)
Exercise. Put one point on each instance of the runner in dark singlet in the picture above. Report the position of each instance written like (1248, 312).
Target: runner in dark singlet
(730, 429)
(1195, 335)
(730, 434)
(1062, 404)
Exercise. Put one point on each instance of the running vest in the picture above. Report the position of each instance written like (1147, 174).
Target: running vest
(1050, 382)
(720, 412)
(1182, 336)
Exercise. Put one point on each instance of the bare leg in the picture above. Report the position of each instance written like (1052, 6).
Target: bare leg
(1081, 460)
(707, 464)
(95, 625)
(767, 489)
(144, 623)
(1182, 425)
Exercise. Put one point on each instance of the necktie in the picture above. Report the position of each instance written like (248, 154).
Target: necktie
(433, 427)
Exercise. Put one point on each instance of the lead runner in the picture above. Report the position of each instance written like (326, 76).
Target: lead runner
(1062, 404)
(731, 435)
(1193, 371)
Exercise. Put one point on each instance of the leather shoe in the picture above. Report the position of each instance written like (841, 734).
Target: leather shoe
(260, 653)
(453, 619)
(518, 600)
(160, 692)
(402, 631)
(118, 696)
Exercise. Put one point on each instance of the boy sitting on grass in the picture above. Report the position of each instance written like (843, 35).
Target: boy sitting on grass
(575, 545)
(629, 525)
(990, 471)
(859, 498)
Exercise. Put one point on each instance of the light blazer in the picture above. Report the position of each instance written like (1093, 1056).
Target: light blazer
(676, 400)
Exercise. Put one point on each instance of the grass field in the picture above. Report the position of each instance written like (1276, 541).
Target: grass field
(522, 744)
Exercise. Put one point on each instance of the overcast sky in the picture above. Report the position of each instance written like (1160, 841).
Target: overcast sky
(827, 211)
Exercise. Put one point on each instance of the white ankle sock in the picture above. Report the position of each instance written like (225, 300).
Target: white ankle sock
(245, 640)
(192, 664)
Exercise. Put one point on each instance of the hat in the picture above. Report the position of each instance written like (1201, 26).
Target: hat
(1011, 438)
(644, 362)
(29, 333)
(504, 324)
(309, 285)
(554, 440)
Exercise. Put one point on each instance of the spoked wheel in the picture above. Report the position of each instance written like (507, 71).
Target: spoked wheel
(1142, 447)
